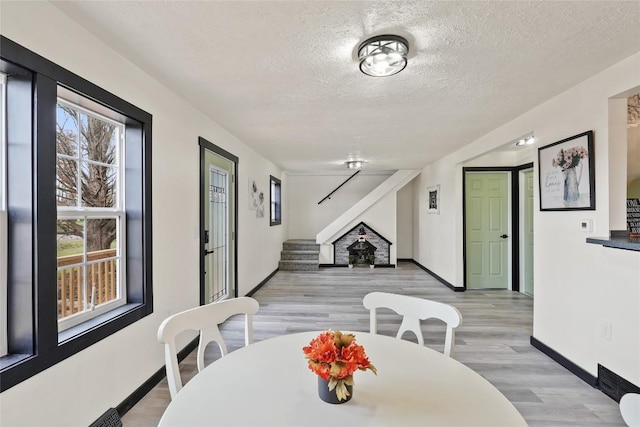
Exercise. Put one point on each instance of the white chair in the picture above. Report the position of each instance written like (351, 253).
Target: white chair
(630, 409)
(413, 311)
(205, 319)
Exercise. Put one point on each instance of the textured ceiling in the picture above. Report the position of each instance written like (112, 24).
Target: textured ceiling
(283, 75)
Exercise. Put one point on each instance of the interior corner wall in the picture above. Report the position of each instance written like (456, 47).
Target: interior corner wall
(79, 389)
(404, 222)
(578, 286)
(434, 242)
(306, 217)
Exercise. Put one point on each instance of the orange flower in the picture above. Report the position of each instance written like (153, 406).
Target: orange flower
(322, 348)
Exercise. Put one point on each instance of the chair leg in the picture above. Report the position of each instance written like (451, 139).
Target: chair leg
(449, 341)
(373, 324)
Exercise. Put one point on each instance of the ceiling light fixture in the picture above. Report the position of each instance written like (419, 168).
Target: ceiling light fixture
(354, 164)
(525, 141)
(383, 56)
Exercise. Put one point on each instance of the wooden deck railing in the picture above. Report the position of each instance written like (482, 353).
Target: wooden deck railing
(101, 282)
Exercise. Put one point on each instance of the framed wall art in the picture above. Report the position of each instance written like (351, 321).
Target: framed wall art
(433, 199)
(566, 174)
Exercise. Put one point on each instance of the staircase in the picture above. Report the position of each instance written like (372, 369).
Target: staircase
(394, 183)
(299, 255)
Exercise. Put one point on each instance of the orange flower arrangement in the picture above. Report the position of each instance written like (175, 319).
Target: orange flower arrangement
(335, 356)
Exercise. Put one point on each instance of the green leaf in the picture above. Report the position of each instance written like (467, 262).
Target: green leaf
(341, 390)
(348, 380)
(343, 340)
(336, 367)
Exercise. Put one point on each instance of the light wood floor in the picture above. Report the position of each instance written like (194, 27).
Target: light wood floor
(493, 339)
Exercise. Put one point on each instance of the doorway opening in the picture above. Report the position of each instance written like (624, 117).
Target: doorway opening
(498, 228)
(218, 223)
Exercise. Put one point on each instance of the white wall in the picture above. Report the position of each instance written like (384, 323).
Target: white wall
(303, 193)
(404, 222)
(578, 285)
(79, 389)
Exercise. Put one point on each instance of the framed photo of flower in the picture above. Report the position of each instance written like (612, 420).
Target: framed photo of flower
(566, 174)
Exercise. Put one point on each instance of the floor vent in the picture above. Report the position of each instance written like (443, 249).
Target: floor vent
(108, 419)
(613, 385)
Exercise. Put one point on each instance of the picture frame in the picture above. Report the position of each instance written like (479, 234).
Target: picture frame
(433, 199)
(566, 174)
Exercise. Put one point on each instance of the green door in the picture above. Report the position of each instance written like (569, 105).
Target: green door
(486, 227)
(528, 232)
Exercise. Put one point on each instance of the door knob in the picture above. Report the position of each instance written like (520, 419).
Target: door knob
(206, 252)
(504, 236)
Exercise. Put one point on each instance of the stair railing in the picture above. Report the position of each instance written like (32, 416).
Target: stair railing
(328, 196)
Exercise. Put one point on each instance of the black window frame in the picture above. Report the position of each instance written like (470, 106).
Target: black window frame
(277, 219)
(33, 340)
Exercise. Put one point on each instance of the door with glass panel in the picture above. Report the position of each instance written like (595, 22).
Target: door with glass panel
(216, 250)
(218, 199)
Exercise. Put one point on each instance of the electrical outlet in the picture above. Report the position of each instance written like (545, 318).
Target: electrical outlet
(605, 330)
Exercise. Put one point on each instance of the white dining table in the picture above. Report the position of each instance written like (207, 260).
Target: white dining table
(268, 383)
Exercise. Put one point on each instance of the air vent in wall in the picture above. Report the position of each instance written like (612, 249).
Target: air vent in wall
(613, 385)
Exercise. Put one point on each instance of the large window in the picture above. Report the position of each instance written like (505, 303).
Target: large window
(77, 194)
(90, 213)
(275, 201)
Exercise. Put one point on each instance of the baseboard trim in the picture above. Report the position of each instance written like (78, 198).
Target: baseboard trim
(261, 284)
(564, 362)
(347, 265)
(153, 381)
(438, 278)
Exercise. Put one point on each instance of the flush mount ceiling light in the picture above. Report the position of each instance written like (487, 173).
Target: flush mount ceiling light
(382, 56)
(354, 164)
(525, 141)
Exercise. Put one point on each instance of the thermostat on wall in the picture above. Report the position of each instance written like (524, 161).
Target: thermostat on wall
(586, 225)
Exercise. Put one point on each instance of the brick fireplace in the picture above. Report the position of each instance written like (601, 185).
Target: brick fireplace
(360, 242)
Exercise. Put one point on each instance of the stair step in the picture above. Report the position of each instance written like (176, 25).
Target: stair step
(301, 245)
(300, 255)
(298, 265)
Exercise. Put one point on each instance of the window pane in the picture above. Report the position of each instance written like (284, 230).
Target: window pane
(66, 131)
(102, 279)
(71, 291)
(70, 241)
(98, 186)
(98, 142)
(101, 236)
(66, 182)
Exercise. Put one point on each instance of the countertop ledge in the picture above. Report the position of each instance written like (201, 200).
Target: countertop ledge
(617, 240)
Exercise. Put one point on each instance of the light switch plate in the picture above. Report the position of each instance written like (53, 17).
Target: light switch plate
(586, 225)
